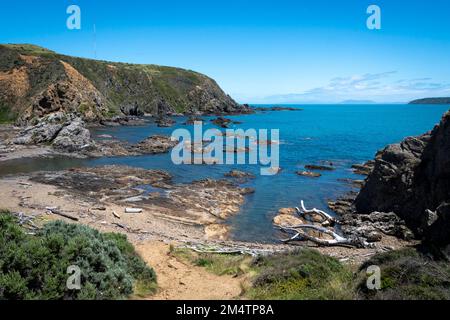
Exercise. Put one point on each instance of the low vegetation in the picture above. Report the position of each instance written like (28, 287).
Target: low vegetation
(299, 275)
(407, 274)
(35, 266)
(6, 116)
(306, 274)
(219, 264)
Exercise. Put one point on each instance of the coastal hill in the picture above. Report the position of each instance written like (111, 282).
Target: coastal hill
(35, 82)
(445, 100)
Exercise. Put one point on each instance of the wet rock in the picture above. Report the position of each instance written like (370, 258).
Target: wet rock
(154, 145)
(309, 174)
(245, 191)
(224, 122)
(239, 174)
(319, 167)
(192, 119)
(165, 122)
(364, 169)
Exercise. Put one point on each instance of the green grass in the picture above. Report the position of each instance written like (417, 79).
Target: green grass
(219, 264)
(6, 116)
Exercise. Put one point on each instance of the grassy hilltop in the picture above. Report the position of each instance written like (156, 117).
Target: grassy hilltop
(35, 81)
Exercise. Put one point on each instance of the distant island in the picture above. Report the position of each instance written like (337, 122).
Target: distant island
(431, 101)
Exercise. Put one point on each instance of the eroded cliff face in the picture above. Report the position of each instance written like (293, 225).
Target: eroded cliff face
(35, 82)
(412, 179)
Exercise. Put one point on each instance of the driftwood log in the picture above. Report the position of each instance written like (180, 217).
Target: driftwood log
(327, 219)
(300, 232)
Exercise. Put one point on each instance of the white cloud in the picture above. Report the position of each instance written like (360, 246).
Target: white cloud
(370, 86)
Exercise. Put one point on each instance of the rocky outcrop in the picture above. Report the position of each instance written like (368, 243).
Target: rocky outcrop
(64, 135)
(35, 82)
(412, 179)
(154, 144)
(73, 138)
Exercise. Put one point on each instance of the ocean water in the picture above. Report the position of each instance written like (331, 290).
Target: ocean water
(341, 134)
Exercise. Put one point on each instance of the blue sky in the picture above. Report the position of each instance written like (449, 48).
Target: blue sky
(259, 51)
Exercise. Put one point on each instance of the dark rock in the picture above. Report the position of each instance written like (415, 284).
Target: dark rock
(245, 191)
(154, 145)
(192, 119)
(277, 108)
(364, 169)
(354, 183)
(131, 110)
(318, 167)
(411, 179)
(165, 122)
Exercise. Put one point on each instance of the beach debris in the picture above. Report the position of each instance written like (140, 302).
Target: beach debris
(133, 210)
(99, 208)
(230, 250)
(326, 219)
(26, 184)
(56, 211)
(320, 234)
(115, 215)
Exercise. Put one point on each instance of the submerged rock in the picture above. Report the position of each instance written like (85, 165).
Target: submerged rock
(319, 167)
(239, 174)
(309, 174)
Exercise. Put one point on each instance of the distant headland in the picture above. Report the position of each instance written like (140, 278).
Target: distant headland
(445, 100)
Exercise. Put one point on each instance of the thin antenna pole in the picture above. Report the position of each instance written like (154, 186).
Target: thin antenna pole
(95, 42)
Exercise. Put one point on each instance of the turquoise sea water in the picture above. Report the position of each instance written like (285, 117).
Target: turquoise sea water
(341, 134)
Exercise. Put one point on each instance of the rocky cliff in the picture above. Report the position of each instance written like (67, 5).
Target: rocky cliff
(35, 82)
(412, 179)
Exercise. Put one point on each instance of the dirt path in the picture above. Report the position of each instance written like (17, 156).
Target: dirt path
(178, 280)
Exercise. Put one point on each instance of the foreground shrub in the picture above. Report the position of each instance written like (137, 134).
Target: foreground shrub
(35, 267)
(301, 274)
(405, 275)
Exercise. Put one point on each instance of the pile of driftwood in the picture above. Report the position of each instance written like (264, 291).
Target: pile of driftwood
(26, 221)
(327, 237)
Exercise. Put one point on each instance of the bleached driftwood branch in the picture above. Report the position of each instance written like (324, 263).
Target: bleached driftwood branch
(227, 250)
(327, 219)
(337, 240)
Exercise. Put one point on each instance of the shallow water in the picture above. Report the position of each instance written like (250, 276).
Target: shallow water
(341, 134)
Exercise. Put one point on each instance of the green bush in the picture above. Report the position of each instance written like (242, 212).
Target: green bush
(407, 275)
(35, 267)
(301, 274)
